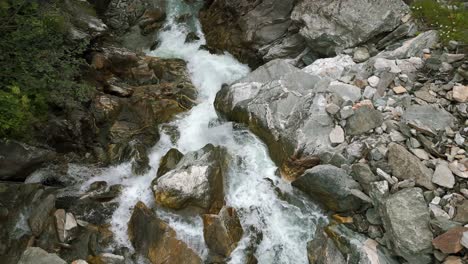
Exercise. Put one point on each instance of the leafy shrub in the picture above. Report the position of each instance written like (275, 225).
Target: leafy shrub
(39, 61)
(449, 18)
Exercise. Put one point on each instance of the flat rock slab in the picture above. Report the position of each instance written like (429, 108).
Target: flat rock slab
(428, 116)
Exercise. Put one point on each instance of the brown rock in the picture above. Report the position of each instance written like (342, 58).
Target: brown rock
(222, 232)
(460, 93)
(449, 242)
(453, 260)
(156, 240)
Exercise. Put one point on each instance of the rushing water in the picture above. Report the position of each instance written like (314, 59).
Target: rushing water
(275, 217)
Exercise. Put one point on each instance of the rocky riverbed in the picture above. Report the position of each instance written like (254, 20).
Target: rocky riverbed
(345, 142)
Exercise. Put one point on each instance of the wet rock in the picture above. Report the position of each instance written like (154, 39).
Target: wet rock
(443, 176)
(357, 248)
(450, 241)
(406, 166)
(323, 250)
(363, 120)
(40, 213)
(18, 160)
(169, 161)
(156, 240)
(406, 221)
(222, 232)
(197, 181)
(282, 110)
(331, 186)
(251, 31)
(36, 255)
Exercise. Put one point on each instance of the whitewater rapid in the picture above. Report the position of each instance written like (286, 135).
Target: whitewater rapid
(272, 213)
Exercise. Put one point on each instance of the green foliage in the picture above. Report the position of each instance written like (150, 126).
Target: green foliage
(39, 65)
(449, 18)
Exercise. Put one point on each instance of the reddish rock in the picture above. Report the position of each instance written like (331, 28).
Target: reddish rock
(450, 241)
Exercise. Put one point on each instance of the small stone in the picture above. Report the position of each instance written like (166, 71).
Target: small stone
(451, 58)
(445, 67)
(443, 176)
(462, 212)
(346, 112)
(460, 93)
(458, 169)
(337, 135)
(399, 89)
(438, 212)
(436, 200)
(449, 242)
(361, 54)
(403, 77)
(369, 92)
(397, 136)
(332, 109)
(426, 51)
(373, 81)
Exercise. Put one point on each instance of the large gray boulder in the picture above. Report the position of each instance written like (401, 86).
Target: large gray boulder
(334, 25)
(18, 160)
(285, 107)
(406, 221)
(330, 186)
(197, 180)
(36, 255)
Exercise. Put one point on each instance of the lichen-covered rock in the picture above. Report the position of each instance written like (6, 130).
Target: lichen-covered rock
(156, 240)
(197, 180)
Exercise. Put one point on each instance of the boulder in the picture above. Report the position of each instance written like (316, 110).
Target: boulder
(197, 180)
(156, 240)
(358, 248)
(330, 186)
(363, 120)
(251, 31)
(36, 255)
(222, 232)
(331, 26)
(322, 250)
(40, 213)
(282, 106)
(18, 160)
(330, 67)
(413, 47)
(406, 221)
(169, 161)
(405, 166)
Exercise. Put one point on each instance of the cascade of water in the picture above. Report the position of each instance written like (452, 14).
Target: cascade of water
(278, 218)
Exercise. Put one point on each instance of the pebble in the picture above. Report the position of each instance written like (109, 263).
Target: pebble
(460, 93)
(332, 109)
(399, 89)
(346, 112)
(369, 92)
(373, 81)
(337, 135)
